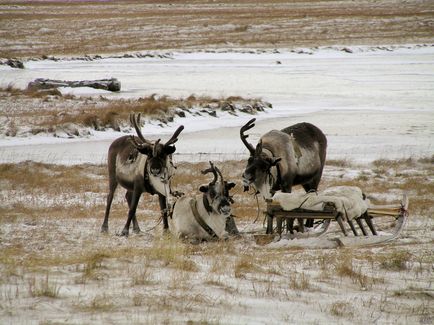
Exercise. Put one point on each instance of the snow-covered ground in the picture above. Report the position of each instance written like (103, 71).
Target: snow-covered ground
(370, 103)
(56, 268)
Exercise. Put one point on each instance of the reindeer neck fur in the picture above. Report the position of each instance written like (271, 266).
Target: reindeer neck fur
(132, 169)
(216, 221)
(266, 185)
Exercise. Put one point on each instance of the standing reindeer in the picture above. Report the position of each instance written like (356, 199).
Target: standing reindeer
(140, 166)
(293, 156)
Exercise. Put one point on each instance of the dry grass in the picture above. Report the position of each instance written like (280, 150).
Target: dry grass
(43, 288)
(342, 309)
(141, 275)
(57, 112)
(299, 281)
(100, 303)
(191, 24)
(395, 260)
(338, 162)
(244, 264)
(104, 274)
(53, 178)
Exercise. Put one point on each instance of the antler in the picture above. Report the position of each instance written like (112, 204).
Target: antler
(174, 137)
(220, 173)
(243, 136)
(212, 169)
(135, 122)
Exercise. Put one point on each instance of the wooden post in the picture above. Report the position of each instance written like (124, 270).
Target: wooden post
(269, 223)
(359, 222)
(368, 220)
(352, 227)
(279, 221)
(341, 224)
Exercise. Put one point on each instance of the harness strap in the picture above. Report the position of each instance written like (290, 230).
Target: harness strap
(279, 178)
(278, 182)
(200, 221)
(147, 183)
(206, 204)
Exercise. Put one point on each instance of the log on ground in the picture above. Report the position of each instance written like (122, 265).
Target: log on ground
(112, 84)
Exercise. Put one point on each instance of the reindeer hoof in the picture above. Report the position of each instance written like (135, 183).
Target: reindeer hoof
(124, 233)
(137, 230)
(104, 230)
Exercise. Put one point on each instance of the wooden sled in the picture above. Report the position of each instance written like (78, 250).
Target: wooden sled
(361, 231)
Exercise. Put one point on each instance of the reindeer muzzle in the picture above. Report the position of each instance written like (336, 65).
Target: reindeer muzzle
(225, 210)
(246, 183)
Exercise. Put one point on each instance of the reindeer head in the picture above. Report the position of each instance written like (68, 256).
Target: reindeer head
(217, 191)
(259, 164)
(158, 153)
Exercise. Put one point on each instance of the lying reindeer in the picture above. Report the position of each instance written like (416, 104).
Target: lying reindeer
(140, 166)
(204, 218)
(293, 156)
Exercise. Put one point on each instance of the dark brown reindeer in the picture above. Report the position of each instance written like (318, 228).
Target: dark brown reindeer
(293, 156)
(140, 166)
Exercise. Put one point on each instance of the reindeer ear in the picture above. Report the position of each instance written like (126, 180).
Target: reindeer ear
(230, 185)
(258, 149)
(168, 150)
(204, 188)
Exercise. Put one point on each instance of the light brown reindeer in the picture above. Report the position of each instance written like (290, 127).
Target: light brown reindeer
(205, 217)
(140, 166)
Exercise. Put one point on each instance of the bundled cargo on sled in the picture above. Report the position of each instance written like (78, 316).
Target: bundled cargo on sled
(358, 219)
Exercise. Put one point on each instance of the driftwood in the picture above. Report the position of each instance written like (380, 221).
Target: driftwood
(14, 63)
(107, 84)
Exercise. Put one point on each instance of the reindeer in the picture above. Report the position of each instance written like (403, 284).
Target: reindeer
(140, 166)
(293, 156)
(204, 218)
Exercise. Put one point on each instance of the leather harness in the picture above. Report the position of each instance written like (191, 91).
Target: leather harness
(198, 218)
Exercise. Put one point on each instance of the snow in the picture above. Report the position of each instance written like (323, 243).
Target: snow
(370, 103)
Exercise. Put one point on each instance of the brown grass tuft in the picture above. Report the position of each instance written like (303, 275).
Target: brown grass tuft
(395, 261)
(43, 288)
(342, 309)
(299, 281)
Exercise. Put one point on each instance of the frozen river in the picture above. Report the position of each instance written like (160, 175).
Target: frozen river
(371, 104)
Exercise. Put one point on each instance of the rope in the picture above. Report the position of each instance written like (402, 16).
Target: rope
(156, 225)
(257, 204)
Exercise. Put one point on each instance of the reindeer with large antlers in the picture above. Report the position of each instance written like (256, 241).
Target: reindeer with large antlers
(293, 156)
(140, 166)
(206, 217)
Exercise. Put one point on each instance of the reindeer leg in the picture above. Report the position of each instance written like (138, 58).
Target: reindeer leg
(164, 212)
(129, 197)
(132, 212)
(112, 188)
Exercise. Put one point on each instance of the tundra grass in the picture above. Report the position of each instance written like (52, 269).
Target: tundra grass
(131, 26)
(55, 110)
(102, 274)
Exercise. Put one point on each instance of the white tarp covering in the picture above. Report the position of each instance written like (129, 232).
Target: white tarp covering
(348, 200)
